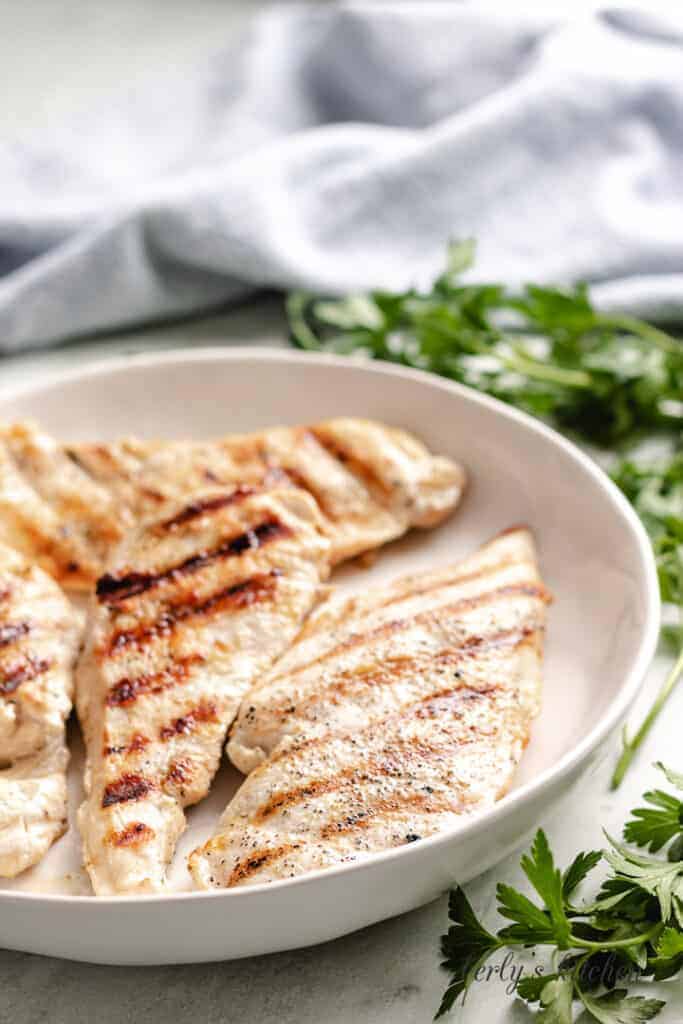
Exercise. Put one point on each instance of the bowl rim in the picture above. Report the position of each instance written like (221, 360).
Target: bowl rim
(569, 762)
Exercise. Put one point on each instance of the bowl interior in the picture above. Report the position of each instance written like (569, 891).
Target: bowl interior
(591, 555)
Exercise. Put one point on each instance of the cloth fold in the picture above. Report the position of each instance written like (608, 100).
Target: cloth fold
(339, 147)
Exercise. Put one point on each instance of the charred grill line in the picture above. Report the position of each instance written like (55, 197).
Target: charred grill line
(12, 632)
(212, 504)
(127, 691)
(429, 588)
(237, 596)
(132, 835)
(138, 743)
(363, 471)
(279, 473)
(12, 678)
(396, 625)
(127, 787)
(392, 764)
(393, 758)
(187, 723)
(387, 674)
(258, 860)
(112, 589)
(362, 818)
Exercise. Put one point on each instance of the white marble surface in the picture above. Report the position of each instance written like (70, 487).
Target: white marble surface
(387, 974)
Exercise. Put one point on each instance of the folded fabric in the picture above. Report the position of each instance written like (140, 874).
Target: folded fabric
(339, 147)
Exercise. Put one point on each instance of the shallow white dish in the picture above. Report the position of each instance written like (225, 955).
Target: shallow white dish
(595, 557)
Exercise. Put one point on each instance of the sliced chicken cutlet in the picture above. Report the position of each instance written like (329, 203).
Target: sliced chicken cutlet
(396, 713)
(371, 482)
(39, 639)
(53, 511)
(193, 608)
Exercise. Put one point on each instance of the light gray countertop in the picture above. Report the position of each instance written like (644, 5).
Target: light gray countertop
(389, 973)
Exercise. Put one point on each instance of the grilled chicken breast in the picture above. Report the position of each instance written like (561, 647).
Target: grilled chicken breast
(193, 608)
(396, 713)
(67, 506)
(39, 638)
(371, 482)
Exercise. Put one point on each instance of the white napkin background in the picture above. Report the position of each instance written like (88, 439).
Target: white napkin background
(339, 147)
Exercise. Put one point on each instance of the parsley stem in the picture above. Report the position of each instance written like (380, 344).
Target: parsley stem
(521, 363)
(543, 371)
(632, 745)
(296, 307)
(633, 940)
(642, 330)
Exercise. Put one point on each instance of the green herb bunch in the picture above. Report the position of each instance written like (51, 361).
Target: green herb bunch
(607, 380)
(632, 929)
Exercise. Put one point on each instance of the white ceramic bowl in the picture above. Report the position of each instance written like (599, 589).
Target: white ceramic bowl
(603, 626)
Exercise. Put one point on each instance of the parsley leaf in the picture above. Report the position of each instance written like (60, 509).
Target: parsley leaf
(670, 943)
(465, 946)
(654, 826)
(616, 1007)
(546, 879)
(660, 878)
(577, 871)
(532, 924)
(556, 1001)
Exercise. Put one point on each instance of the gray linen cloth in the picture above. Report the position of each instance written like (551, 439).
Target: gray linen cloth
(340, 146)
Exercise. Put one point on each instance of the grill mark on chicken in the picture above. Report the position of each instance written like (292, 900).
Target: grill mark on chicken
(102, 452)
(392, 763)
(187, 723)
(260, 587)
(111, 589)
(12, 678)
(340, 684)
(178, 772)
(353, 822)
(12, 632)
(132, 835)
(126, 788)
(362, 818)
(424, 709)
(397, 625)
(279, 473)
(78, 462)
(259, 859)
(200, 508)
(314, 628)
(126, 691)
(363, 471)
(49, 549)
(138, 743)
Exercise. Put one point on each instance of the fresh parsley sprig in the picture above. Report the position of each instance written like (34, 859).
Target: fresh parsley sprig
(633, 928)
(545, 350)
(608, 380)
